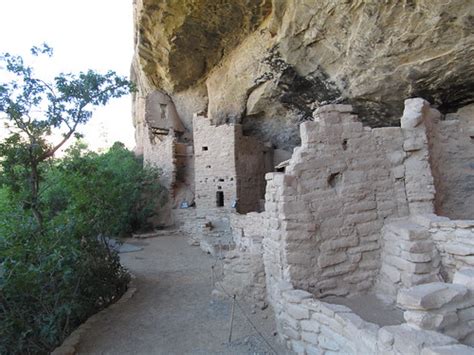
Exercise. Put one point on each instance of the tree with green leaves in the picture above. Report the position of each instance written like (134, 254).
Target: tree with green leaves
(55, 269)
(35, 109)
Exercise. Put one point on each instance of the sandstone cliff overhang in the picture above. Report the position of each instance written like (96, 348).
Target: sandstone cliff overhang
(262, 60)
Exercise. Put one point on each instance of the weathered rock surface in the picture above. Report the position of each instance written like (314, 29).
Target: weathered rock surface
(266, 64)
(180, 41)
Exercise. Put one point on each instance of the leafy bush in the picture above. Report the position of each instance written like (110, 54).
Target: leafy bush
(56, 268)
(113, 193)
(34, 109)
(52, 282)
(57, 275)
(3, 200)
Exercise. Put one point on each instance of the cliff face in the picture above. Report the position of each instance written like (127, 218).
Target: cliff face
(268, 64)
(181, 41)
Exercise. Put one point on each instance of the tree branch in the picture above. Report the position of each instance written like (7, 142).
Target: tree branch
(72, 129)
(50, 152)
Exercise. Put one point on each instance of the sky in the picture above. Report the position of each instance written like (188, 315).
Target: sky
(85, 34)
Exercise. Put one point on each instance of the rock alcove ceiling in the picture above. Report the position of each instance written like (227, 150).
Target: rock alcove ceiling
(268, 64)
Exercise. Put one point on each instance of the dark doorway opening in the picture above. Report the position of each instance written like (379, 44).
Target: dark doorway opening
(220, 198)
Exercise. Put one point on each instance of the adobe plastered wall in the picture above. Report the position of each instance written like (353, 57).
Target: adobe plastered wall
(159, 151)
(452, 159)
(326, 211)
(156, 123)
(160, 112)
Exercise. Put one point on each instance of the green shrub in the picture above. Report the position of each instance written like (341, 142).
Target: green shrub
(112, 193)
(55, 276)
(52, 282)
(55, 269)
(4, 202)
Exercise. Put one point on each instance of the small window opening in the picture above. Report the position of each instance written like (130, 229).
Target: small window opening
(205, 148)
(333, 179)
(344, 144)
(220, 198)
(221, 180)
(163, 111)
(208, 166)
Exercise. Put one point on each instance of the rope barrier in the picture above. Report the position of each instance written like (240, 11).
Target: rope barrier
(242, 311)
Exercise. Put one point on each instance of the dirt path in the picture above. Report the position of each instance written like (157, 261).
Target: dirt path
(172, 311)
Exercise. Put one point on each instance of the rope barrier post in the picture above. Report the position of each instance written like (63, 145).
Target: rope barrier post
(212, 276)
(232, 319)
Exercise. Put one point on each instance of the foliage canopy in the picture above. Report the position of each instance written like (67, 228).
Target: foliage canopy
(56, 215)
(35, 109)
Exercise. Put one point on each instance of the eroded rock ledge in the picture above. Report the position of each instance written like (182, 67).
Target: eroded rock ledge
(266, 63)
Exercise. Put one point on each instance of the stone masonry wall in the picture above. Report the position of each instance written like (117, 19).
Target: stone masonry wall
(276, 267)
(322, 233)
(423, 249)
(310, 326)
(184, 181)
(335, 195)
(244, 273)
(452, 151)
(409, 257)
(419, 183)
(227, 161)
(447, 308)
(159, 151)
(214, 164)
(454, 241)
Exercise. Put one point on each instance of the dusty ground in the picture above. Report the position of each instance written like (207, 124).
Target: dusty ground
(371, 309)
(172, 311)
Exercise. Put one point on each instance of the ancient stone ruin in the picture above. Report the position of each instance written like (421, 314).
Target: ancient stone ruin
(331, 195)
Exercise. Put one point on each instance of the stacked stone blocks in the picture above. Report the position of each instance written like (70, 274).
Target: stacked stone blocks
(244, 273)
(353, 209)
(409, 257)
(336, 193)
(442, 307)
(311, 326)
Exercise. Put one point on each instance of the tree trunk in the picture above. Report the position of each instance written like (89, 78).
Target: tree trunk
(34, 194)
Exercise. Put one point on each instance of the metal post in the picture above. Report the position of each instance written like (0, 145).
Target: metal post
(212, 275)
(232, 319)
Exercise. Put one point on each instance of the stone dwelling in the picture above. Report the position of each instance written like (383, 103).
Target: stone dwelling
(354, 222)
